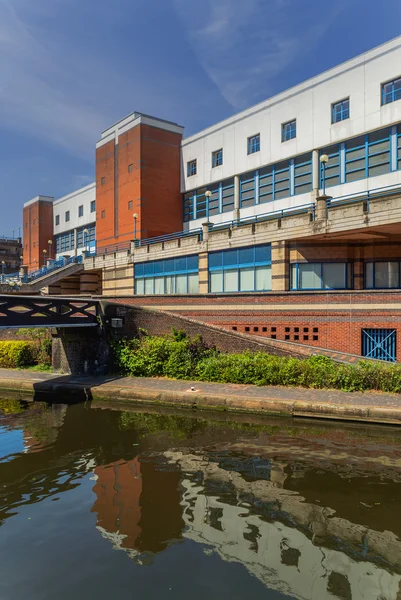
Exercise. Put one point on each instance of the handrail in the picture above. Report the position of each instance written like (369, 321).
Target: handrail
(276, 214)
(364, 195)
(53, 265)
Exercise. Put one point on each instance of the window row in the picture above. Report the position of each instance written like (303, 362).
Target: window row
(340, 111)
(80, 212)
(169, 276)
(366, 156)
(85, 238)
(321, 276)
(285, 179)
(240, 270)
(169, 284)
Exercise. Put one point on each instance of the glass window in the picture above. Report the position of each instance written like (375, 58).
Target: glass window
(149, 286)
(247, 280)
(254, 144)
(201, 204)
(309, 276)
(369, 279)
(81, 211)
(188, 207)
(386, 274)
(216, 281)
(57, 219)
(230, 257)
(215, 259)
(217, 158)
(192, 263)
(265, 184)
(93, 206)
(139, 269)
(247, 189)
(340, 111)
(231, 280)
(193, 283)
(263, 279)
(67, 216)
(303, 174)
(170, 284)
(263, 254)
(331, 170)
(246, 256)
(355, 159)
(139, 286)
(289, 131)
(191, 168)
(103, 180)
(334, 275)
(391, 91)
(159, 285)
(379, 152)
(181, 284)
(227, 195)
(130, 168)
(282, 180)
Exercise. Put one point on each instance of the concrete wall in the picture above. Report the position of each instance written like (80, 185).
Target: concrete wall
(82, 197)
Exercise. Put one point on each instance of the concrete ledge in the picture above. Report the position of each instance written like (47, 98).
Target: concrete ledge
(268, 401)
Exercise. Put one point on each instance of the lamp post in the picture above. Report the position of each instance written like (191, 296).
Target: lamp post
(3, 264)
(208, 195)
(50, 242)
(86, 240)
(324, 159)
(44, 256)
(135, 215)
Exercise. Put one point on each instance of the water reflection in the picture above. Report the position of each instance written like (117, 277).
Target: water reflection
(311, 512)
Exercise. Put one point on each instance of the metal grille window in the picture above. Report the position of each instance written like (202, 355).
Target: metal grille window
(191, 168)
(399, 146)
(391, 91)
(380, 344)
(303, 174)
(217, 158)
(382, 274)
(266, 185)
(379, 160)
(288, 131)
(169, 276)
(355, 159)
(189, 206)
(227, 201)
(86, 240)
(247, 189)
(64, 242)
(254, 144)
(340, 111)
(201, 204)
(282, 180)
(321, 276)
(240, 270)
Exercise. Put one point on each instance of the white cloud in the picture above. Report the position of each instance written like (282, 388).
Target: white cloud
(242, 44)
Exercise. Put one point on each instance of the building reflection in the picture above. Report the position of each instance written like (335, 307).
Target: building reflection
(239, 510)
(138, 506)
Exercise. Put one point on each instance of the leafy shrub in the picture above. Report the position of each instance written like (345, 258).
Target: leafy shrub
(17, 354)
(180, 357)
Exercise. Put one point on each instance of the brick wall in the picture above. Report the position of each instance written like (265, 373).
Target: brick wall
(37, 230)
(329, 320)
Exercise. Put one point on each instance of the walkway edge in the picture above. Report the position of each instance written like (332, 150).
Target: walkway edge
(201, 401)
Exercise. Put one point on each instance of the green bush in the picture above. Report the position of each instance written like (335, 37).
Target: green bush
(180, 357)
(17, 354)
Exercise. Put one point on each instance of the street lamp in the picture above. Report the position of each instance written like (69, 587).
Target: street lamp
(135, 215)
(3, 264)
(50, 242)
(86, 240)
(324, 159)
(208, 195)
(44, 256)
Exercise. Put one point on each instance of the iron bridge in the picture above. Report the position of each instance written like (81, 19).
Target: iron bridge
(42, 311)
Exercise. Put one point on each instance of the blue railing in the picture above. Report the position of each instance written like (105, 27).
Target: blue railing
(276, 214)
(53, 265)
(168, 236)
(365, 195)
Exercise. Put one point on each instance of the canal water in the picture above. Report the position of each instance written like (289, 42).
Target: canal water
(105, 503)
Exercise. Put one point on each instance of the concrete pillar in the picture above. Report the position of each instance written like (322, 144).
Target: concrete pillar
(75, 242)
(321, 207)
(205, 231)
(315, 169)
(203, 273)
(358, 279)
(80, 351)
(23, 272)
(280, 266)
(236, 215)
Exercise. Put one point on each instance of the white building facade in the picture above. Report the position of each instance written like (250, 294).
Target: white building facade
(74, 222)
(266, 158)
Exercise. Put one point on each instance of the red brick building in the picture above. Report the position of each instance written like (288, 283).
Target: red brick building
(37, 231)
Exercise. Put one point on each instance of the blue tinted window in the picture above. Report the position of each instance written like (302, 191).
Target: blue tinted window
(139, 270)
(157, 267)
(216, 259)
(230, 257)
(192, 263)
(148, 268)
(180, 264)
(391, 91)
(246, 256)
(263, 254)
(254, 144)
(340, 111)
(169, 265)
(217, 158)
(191, 168)
(288, 131)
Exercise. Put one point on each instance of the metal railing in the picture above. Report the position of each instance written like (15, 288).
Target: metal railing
(276, 214)
(52, 265)
(167, 237)
(367, 195)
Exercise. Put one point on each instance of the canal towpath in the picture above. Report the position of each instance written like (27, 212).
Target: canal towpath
(375, 407)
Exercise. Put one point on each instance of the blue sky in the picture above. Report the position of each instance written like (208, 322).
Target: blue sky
(70, 68)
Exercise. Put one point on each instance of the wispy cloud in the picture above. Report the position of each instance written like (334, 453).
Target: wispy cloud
(244, 44)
